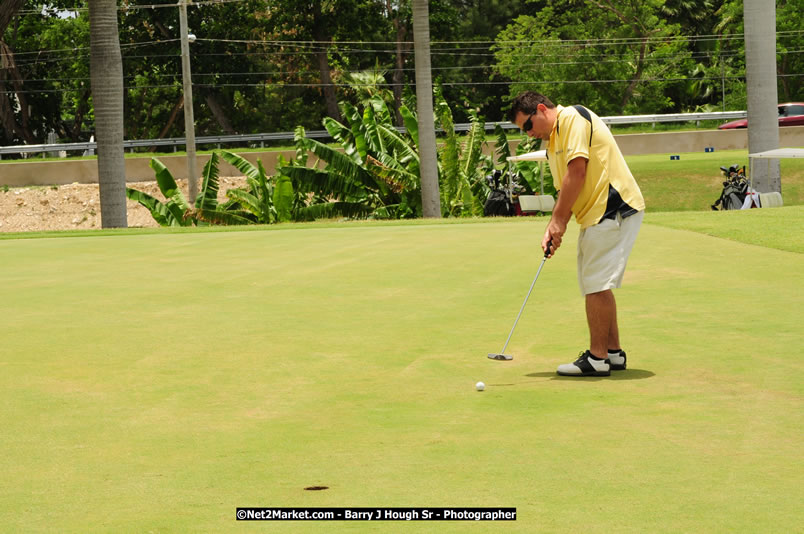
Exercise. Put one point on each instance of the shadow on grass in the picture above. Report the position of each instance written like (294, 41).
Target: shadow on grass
(628, 374)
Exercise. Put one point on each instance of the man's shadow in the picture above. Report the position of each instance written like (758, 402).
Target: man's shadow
(628, 374)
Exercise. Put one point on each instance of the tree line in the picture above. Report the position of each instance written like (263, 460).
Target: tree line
(273, 65)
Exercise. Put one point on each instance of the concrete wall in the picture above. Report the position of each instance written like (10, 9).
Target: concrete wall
(28, 173)
(696, 141)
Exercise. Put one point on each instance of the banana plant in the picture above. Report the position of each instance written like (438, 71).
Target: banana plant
(176, 210)
(461, 163)
(365, 178)
(256, 202)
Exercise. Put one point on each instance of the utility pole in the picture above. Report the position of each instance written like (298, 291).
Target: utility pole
(761, 86)
(189, 119)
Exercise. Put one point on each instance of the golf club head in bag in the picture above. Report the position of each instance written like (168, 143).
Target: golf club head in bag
(502, 356)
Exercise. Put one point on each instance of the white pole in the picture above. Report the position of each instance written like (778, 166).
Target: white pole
(760, 75)
(189, 119)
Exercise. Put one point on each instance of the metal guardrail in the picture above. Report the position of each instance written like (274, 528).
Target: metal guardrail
(677, 117)
(176, 142)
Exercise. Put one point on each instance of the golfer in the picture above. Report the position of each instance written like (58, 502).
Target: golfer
(595, 184)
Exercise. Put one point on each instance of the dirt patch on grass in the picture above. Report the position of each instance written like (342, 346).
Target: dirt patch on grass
(77, 206)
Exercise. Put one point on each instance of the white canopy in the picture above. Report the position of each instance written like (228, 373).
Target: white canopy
(779, 153)
(539, 155)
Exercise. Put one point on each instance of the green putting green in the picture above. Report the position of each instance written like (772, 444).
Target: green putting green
(156, 382)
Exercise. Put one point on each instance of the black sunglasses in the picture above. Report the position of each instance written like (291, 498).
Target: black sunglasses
(528, 124)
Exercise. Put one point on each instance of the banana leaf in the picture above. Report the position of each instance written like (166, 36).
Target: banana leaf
(222, 217)
(405, 153)
(328, 210)
(159, 211)
(373, 138)
(266, 193)
(411, 124)
(301, 151)
(283, 198)
(390, 172)
(355, 119)
(381, 112)
(344, 137)
(323, 182)
(249, 203)
(241, 164)
(208, 199)
(340, 164)
(450, 165)
(474, 146)
(502, 149)
(168, 187)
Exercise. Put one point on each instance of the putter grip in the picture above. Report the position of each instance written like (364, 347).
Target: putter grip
(547, 251)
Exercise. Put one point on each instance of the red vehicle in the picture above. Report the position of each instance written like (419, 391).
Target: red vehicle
(790, 114)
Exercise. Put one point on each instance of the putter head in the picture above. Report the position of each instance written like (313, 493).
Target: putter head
(503, 357)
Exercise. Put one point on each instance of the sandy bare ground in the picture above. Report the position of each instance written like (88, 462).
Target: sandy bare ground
(77, 206)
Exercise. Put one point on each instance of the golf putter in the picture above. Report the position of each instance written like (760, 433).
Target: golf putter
(502, 355)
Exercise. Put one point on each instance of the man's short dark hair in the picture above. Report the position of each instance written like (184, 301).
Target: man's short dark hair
(527, 102)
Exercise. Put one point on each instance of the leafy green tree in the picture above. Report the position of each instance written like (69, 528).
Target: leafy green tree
(613, 57)
(790, 43)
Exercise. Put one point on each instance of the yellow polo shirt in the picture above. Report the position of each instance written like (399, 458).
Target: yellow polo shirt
(605, 164)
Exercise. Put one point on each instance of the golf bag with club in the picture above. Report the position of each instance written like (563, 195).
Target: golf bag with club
(735, 189)
(498, 203)
(502, 199)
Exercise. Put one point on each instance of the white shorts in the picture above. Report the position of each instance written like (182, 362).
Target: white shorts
(603, 251)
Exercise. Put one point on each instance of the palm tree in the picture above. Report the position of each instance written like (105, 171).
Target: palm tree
(431, 203)
(106, 73)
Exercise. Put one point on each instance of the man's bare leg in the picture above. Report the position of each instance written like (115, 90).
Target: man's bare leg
(601, 315)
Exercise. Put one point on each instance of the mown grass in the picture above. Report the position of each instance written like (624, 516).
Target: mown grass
(155, 381)
(694, 182)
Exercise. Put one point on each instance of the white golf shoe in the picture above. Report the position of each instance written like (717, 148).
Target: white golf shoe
(616, 360)
(585, 365)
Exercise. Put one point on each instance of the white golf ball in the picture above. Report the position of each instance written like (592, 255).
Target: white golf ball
(480, 386)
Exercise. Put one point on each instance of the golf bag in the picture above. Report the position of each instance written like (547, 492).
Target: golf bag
(499, 203)
(735, 189)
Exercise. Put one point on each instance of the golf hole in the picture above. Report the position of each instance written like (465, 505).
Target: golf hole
(316, 488)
